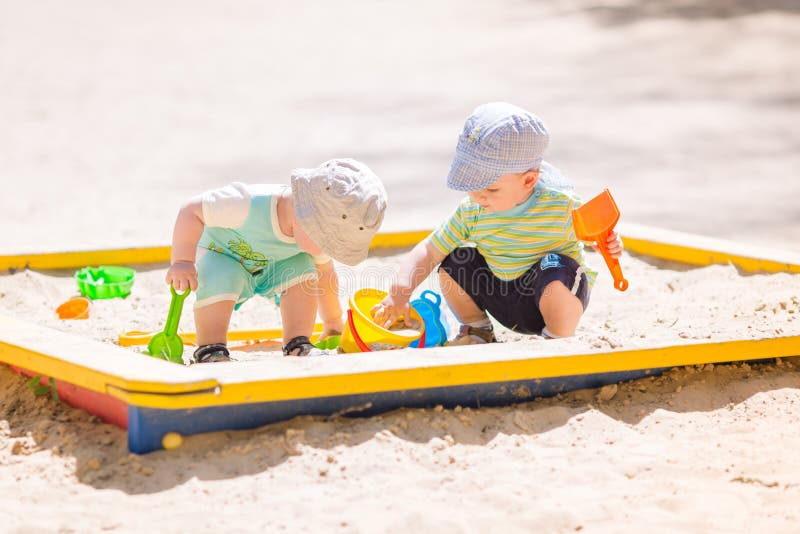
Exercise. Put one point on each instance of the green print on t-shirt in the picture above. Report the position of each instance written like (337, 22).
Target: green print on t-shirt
(243, 249)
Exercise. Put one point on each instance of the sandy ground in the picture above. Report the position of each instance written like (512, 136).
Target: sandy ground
(114, 114)
(662, 306)
(697, 449)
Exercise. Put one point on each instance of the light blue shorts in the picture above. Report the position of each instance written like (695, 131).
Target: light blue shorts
(221, 277)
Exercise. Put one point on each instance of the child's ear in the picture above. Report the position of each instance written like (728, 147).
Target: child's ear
(529, 178)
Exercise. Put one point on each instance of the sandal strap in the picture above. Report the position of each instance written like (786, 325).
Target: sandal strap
(203, 352)
(297, 342)
(486, 334)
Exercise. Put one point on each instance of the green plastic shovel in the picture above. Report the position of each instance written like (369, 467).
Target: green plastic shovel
(168, 344)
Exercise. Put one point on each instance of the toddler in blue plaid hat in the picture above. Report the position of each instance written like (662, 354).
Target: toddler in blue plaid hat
(509, 249)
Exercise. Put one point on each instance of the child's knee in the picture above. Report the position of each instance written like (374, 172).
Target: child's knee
(557, 292)
(561, 309)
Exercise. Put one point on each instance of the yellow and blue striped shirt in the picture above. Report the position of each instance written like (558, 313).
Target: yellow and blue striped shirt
(512, 241)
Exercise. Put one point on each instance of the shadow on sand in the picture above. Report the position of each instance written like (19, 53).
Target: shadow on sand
(103, 462)
(622, 13)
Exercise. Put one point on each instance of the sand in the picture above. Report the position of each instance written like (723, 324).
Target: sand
(114, 115)
(662, 306)
(653, 450)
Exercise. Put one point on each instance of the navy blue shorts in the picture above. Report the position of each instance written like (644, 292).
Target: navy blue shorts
(514, 303)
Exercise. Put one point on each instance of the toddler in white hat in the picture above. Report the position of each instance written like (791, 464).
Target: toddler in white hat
(232, 243)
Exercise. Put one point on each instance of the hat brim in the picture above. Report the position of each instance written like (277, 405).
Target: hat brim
(465, 176)
(470, 175)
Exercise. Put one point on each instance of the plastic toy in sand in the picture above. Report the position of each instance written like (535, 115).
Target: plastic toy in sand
(274, 342)
(362, 334)
(251, 337)
(168, 344)
(428, 305)
(74, 308)
(329, 343)
(594, 221)
(105, 282)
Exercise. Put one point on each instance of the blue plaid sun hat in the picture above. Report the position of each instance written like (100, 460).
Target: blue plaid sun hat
(498, 139)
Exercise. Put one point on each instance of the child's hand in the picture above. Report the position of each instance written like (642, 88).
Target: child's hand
(182, 275)
(388, 311)
(614, 245)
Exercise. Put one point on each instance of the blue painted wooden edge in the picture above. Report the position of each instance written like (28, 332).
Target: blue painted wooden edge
(147, 426)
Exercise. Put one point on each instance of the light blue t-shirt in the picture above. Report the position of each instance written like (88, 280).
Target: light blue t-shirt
(242, 222)
(242, 251)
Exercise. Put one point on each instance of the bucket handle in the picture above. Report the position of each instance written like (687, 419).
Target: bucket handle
(437, 300)
(360, 342)
(356, 337)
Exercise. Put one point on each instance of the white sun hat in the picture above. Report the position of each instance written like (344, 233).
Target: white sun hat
(340, 205)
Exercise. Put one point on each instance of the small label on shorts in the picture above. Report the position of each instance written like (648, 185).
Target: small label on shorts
(549, 261)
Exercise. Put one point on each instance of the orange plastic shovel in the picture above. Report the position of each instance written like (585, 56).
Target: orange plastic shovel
(594, 221)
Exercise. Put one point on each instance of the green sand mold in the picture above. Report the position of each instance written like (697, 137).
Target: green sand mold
(105, 282)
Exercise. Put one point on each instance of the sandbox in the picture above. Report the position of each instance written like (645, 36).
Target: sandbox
(692, 300)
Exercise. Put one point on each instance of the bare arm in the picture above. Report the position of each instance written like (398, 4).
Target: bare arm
(330, 310)
(189, 225)
(419, 263)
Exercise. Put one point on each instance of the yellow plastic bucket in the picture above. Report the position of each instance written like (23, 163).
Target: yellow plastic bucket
(362, 334)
